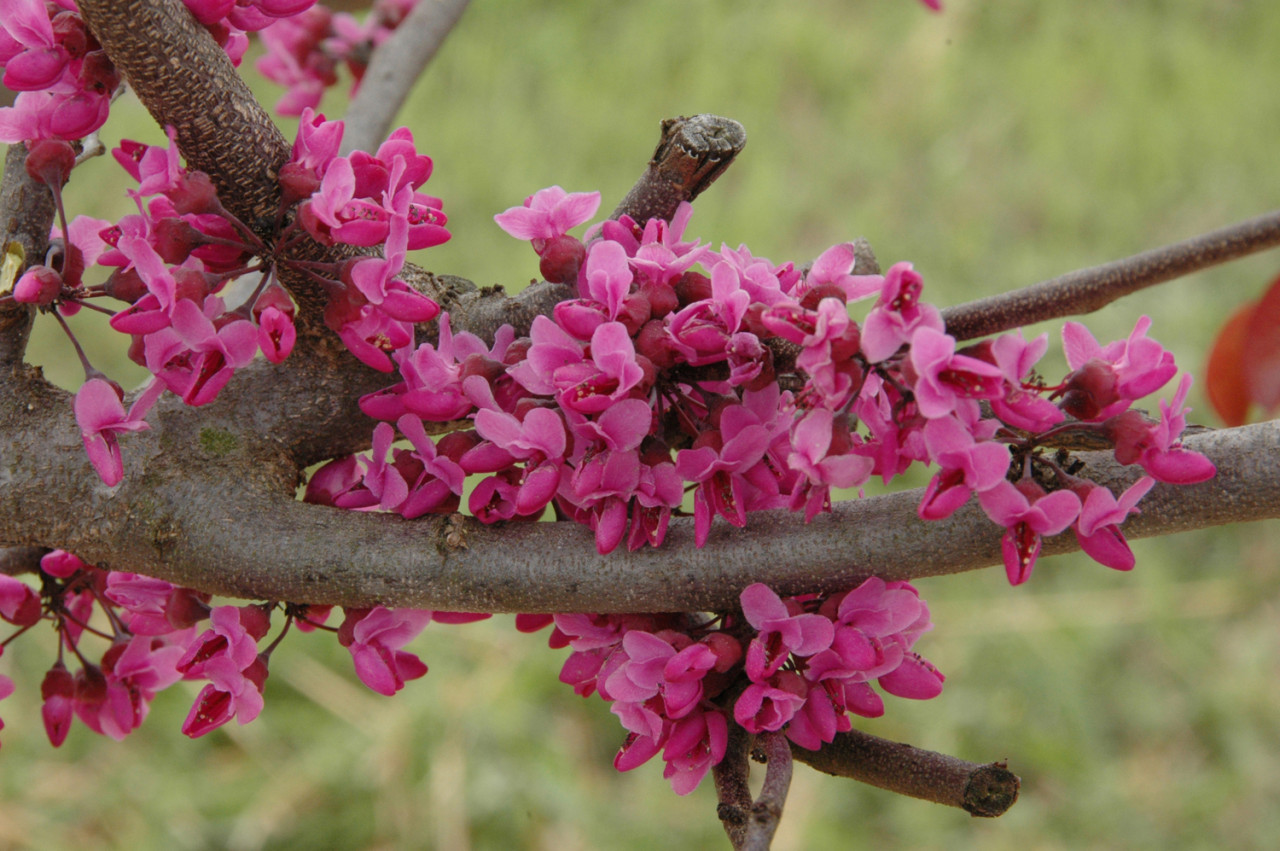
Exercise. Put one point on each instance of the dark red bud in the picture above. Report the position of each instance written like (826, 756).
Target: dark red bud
(186, 608)
(561, 258)
(662, 298)
(818, 293)
(1089, 389)
(655, 344)
(50, 161)
(692, 287)
(195, 193)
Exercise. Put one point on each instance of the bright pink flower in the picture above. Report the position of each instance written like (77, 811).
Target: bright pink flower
(548, 213)
(196, 357)
(61, 564)
(1101, 515)
(230, 694)
(57, 693)
(833, 269)
(783, 631)
(967, 466)
(897, 314)
(695, 744)
(1029, 514)
(19, 603)
(101, 418)
(769, 705)
(944, 377)
(1156, 446)
(374, 638)
(811, 439)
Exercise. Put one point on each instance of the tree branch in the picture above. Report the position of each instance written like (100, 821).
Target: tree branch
(206, 503)
(732, 790)
(1087, 290)
(26, 214)
(395, 67)
(692, 153)
(981, 790)
(766, 812)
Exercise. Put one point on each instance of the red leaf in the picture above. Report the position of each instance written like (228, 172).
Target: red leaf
(1261, 351)
(1224, 379)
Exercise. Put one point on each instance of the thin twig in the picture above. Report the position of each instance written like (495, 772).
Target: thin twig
(981, 790)
(766, 812)
(1087, 290)
(734, 794)
(394, 68)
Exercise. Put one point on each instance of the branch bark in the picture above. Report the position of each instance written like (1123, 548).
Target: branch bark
(1087, 290)
(27, 211)
(395, 67)
(981, 790)
(766, 812)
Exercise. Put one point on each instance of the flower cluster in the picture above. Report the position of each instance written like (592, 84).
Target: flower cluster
(665, 373)
(305, 51)
(798, 665)
(172, 261)
(158, 634)
(64, 79)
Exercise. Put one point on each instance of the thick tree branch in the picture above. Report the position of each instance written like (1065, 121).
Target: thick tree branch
(26, 214)
(205, 503)
(395, 67)
(981, 790)
(1087, 290)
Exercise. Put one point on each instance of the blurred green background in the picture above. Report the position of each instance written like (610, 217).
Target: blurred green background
(994, 145)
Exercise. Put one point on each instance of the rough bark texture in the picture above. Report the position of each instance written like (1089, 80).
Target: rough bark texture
(27, 210)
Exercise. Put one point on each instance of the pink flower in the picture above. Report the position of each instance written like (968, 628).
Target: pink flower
(196, 357)
(1156, 446)
(967, 466)
(19, 604)
(230, 694)
(695, 744)
(897, 314)
(1101, 515)
(57, 693)
(1028, 514)
(548, 213)
(374, 638)
(944, 377)
(101, 418)
(769, 705)
(1106, 379)
(783, 631)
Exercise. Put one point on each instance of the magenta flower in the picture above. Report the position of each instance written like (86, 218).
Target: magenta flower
(1139, 364)
(195, 357)
(822, 468)
(1156, 446)
(101, 417)
(57, 694)
(374, 638)
(897, 314)
(231, 639)
(230, 694)
(1101, 515)
(944, 377)
(548, 213)
(783, 631)
(771, 704)
(19, 604)
(1028, 514)
(695, 743)
(967, 466)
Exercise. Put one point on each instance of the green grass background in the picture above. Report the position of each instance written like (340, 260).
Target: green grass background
(994, 145)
